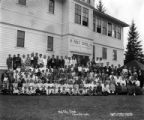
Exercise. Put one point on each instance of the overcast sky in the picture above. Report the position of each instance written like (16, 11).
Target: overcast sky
(127, 10)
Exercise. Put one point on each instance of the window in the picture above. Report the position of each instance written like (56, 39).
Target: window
(118, 32)
(109, 29)
(22, 2)
(94, 23)
(115, 32)
(51, 6)
(77, 14)
(104, 53)
(114, 54)
(85, 17)
(50, 43)
(98, 20)
(105, 27)
(20, 38)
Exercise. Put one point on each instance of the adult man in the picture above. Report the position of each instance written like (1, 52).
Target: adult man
(62, 62)
(32, 59)
(14, 62)
(9, 62)
(57, 62)
(52, 61)
(48, 62)
(35, 60)
(18, 61)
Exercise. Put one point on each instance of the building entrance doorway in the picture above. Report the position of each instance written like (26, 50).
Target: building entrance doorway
(81, 59)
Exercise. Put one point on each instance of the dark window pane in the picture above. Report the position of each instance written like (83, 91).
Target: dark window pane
(85, 16)
(98, 20)
(50, 43)
(20, 38)
(77, 14)
(104, 28)
(22, 2)
(51, 6)
(114, 54)
(109, 29)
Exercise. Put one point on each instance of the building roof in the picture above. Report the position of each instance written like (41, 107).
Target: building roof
(115, 20)
(104, 15)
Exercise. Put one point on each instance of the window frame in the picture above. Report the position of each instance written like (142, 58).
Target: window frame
(115, 31)
(78, 14)
(109, 29)
(22, 2)
(20, 39)
(104, 27)
(52, 6)
(49, 47)
(98, 25)
(85, 17)
(119, 32)
(94, 24)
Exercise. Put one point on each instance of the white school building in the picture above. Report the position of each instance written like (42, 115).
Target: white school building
(59, 27)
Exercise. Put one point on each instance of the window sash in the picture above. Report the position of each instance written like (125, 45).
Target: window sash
(51, 6)
(109, 29)
(20, 38)
(98, 20)
(119, 33)
(77, 14)
(50, 43)
(114, 54)
(22, 2)
(104, 27)
(85, 16)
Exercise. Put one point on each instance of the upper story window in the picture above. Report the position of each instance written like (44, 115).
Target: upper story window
(85, 19)
(118, 32)
(20, 38)
(98, 20)
(81, 15)
(50, 43)
(104, 27)
(51, 6)
(22, 2)
(94, 23)
(115, 32)
(109, 29)
(77, 14)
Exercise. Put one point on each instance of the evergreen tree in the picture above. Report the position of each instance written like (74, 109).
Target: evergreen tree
(134, 47)
(100, 7)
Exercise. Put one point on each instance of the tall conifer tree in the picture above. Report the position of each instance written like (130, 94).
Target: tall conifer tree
(100, 7)
(134, 47)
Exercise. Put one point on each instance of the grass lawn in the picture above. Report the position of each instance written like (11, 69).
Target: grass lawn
(71, 107)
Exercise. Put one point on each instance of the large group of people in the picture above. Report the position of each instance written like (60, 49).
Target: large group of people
(38, 74)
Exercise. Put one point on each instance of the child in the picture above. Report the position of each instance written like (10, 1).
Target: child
(99, 89)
